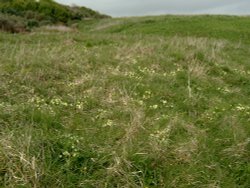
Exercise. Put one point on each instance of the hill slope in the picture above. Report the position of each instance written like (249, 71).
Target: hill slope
(127, 103)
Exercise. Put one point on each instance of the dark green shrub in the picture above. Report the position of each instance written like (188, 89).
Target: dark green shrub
(30, 13)
(32, 23)
(45, 22)
(12, 24)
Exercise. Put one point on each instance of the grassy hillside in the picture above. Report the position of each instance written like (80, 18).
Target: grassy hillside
(218, 27)
(131, 102)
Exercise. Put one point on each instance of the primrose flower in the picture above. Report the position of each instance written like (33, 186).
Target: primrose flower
(79, 105)
(154, 106)
(140, 102)
(109, 123)
(164, 101)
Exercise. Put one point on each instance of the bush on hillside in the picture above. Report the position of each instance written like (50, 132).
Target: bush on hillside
(12, 24)
(46, 10)
(22, 15)
(32, 23)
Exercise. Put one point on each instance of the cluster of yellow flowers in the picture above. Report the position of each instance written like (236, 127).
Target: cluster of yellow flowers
(41, 104)
(73, 150)
(155, 106)
(174, 72)
(109, 123)
(79, 105)
(58, 101)
(243, 108)
(224, 90)
(161, 136)
(147, 95)
(146, 70)
(242, 72)
(133, 75)
(162, 117)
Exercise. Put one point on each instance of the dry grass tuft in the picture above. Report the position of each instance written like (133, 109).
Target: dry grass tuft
(17, 164)
(60, 28)
(198, 70)
(238, 150)
(184, 152)
(107, 24)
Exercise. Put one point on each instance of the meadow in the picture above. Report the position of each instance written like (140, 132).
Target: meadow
(128, 102)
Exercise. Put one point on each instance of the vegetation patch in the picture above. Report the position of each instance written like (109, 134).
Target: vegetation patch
(20, 16)
(142, 107)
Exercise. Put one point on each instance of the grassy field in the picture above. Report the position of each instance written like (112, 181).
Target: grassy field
(129, 102)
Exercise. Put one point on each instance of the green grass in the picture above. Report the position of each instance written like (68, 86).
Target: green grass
(132, 102)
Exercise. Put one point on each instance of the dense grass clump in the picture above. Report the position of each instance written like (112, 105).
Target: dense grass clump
(120, 104)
